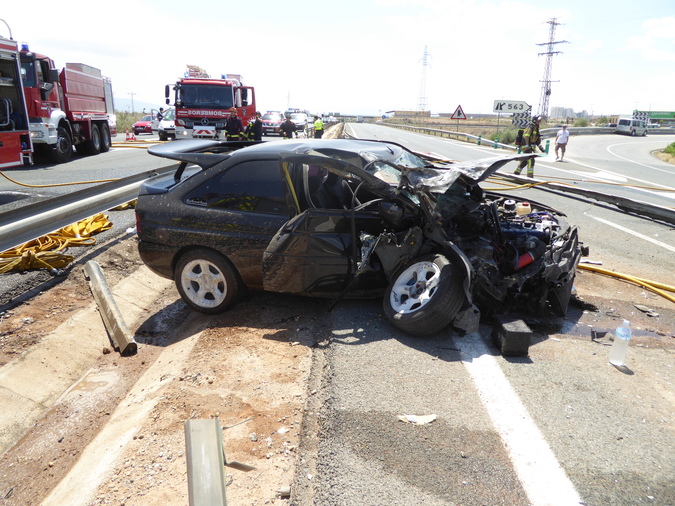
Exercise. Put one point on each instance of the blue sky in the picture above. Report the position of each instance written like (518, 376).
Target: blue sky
(365, 56)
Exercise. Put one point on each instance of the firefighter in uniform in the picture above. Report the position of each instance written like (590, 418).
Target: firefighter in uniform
(288, 128)
(318, 127)
(531, 141)
(233, 126)
(254, 129)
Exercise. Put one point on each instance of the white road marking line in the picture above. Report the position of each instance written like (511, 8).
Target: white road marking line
(632, 232)
(541, 475)
(609, 149)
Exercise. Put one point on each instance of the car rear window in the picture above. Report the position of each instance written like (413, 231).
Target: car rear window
(249, 187)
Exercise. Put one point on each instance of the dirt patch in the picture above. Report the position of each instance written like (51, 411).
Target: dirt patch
(26, 324)
(248, 367)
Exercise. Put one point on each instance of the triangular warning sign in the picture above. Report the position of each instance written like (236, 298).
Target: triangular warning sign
(458, 114)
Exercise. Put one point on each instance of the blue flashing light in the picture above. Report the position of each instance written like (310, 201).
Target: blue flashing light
(24, 46)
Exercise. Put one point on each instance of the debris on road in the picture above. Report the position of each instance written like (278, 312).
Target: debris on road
(647, 310)
(417, 419)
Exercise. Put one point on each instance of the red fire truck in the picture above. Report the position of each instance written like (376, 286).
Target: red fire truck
(68, 107)
(16, 147)
(203, 104)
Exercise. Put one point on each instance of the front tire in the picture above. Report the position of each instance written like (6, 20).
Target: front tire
(62, 151)
(207, 281)
(424, 296)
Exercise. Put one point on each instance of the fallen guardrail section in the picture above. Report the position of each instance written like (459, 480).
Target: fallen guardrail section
(206, 462)
(117, 329)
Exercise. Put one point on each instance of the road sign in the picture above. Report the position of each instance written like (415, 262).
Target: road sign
(458, 114)
(510, 106)
(521, 119)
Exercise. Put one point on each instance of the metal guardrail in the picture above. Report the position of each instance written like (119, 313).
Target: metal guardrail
(35, 220)
(546, 133)
(653, 211)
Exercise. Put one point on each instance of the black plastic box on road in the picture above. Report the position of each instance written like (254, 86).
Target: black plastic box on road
(512, 336)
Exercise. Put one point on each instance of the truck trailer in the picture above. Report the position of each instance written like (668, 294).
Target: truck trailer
(68, 107)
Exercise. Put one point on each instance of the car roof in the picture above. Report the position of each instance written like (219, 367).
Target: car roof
(206, 153)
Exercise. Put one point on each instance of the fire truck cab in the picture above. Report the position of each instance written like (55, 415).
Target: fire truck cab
(16, 148)
(203, 104)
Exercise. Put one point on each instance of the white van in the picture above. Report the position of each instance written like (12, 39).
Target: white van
(632, 127)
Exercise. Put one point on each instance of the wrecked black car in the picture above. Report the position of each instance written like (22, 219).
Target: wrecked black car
(354, 219)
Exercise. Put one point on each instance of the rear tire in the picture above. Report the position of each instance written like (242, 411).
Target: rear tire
(424, 296)
(105, 138)
(93, 145)
(207, 281)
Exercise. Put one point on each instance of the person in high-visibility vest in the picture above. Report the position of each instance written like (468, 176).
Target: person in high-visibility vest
(531, 141)
(233, 126)
(318, 127)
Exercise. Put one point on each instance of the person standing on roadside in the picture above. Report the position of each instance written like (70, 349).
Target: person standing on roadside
(257, 127)
(233, 126)
(318, 127)
(254, 129)
(288, 128)
(561, 141)
(160, 114)
(531, 141)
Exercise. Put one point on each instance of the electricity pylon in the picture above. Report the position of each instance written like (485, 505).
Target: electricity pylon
(546, 82)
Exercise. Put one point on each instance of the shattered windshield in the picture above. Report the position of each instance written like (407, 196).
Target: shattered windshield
(390, 171)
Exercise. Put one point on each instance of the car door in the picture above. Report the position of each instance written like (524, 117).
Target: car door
(316, 252)
(235, 212)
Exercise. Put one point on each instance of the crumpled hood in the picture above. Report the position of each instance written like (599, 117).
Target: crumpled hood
(474, 171)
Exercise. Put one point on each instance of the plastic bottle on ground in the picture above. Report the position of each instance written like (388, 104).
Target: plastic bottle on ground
(617, 355)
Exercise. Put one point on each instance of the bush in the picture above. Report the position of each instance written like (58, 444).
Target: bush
(126, 119)
(581, 122)
(508, 135)
(670, 149)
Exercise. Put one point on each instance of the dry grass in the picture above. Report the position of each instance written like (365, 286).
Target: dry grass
(666, 157)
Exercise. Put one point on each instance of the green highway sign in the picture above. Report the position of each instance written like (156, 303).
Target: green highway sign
(659, 114)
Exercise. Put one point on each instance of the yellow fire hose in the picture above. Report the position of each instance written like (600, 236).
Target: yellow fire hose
(43, 253)
(654, 286)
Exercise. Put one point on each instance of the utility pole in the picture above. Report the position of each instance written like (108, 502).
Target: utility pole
(422, 105)
(132, 102)
(546, 82)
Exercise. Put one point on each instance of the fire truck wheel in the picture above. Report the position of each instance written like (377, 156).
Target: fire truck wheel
(63, 149)
(93, 145)
(105, 138)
